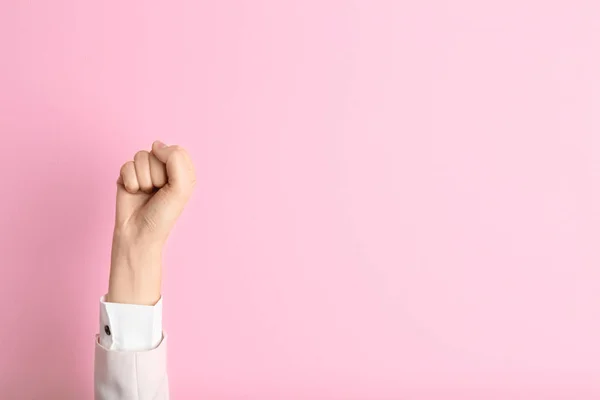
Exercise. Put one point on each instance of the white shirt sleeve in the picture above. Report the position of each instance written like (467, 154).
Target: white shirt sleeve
(130, 327)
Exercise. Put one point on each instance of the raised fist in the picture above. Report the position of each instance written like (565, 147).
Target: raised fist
(152, 191)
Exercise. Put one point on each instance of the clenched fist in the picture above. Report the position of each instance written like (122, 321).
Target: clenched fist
(152, 191)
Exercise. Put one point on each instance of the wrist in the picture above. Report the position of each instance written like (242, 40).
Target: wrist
(135, 274)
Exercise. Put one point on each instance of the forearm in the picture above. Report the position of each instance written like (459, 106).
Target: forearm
(135, 273)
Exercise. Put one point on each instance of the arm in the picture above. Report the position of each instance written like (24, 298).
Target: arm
(130, 355)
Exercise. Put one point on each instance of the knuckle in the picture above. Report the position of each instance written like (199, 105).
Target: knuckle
(158, 182)
(126, 166)
(131, 184)
(141, 155)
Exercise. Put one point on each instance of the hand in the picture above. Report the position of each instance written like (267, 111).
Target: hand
(152, 191)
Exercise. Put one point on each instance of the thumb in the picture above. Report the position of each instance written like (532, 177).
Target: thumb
(166, 205)
(180, 171)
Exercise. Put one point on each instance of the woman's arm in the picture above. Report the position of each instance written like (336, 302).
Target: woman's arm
(130, 357)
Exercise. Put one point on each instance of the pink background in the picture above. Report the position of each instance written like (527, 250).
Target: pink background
(397, 200)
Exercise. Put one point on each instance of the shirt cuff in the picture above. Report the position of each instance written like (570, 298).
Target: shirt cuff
(130, 327)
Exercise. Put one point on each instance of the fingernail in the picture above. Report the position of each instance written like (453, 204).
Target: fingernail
(160, 144)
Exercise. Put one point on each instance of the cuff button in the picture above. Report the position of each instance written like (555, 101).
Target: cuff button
(107, 330)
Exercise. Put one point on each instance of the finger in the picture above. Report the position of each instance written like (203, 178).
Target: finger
(158, 172)
(129, 177)
(127, 200)
(180, 171)
(142, 170)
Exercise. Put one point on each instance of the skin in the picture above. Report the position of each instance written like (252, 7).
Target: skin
(152, 191)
